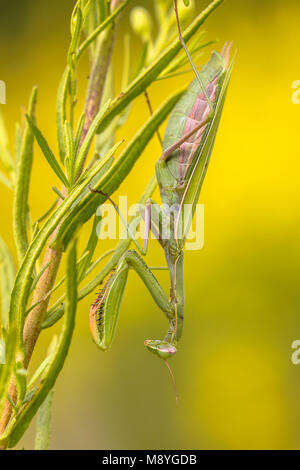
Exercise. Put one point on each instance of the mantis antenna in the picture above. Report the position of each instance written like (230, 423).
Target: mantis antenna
(190, 59)
(173, 379)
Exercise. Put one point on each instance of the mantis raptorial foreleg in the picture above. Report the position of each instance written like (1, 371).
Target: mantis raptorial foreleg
(105, 310)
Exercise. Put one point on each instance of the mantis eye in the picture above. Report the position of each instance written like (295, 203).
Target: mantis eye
(162, 349)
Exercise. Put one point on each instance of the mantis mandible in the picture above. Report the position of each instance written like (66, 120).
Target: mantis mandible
(180, 171)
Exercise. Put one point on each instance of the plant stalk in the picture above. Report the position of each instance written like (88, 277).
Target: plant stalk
(99, 69)
(32, 327)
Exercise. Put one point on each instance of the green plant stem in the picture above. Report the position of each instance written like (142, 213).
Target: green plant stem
(32, 327)
(33, 323)
(42, 440)
(21, 422)
(102, 59)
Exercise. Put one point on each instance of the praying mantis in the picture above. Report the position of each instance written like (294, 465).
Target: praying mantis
(180, 171)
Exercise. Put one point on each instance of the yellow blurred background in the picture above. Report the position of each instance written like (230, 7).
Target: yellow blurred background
(238, 388)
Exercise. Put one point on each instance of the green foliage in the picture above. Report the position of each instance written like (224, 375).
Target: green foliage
(49, 155)
(23, 173)
(43, 427)
(21, 422)
(25, 291)
(7, 275)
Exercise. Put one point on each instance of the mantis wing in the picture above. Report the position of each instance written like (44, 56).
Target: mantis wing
(196, 177)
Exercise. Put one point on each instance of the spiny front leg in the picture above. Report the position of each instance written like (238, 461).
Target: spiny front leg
(104, 312)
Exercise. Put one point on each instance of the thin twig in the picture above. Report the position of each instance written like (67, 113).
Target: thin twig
(151, 112)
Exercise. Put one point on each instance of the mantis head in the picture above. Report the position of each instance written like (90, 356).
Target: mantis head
(162, 349)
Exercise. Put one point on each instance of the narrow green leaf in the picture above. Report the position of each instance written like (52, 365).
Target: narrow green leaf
(47, 213)
(87, 7)
(69, 143)
(18, 426)
(6, 181)
(20, 209)
(100, 168)
(29, 396)
(88, 139)
(21, 382)
(43, 366)
(101, 28)
(62, 95)
(39, 371)
(102, 9)
(43, 425)
(109, 89)
(106, 139)
(78, 133)
(90, 23)
(49, 155)
(7, 276)
(76, 28)
(6, 369)
(11, 402)
(57, 191)
(98, 260)
(90, 249)
(38, 277)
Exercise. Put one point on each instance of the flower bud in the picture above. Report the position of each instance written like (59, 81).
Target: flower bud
(186, 9)
(141, 22)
